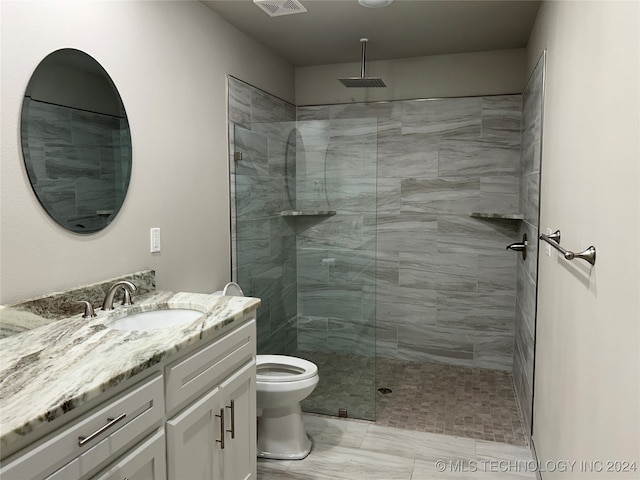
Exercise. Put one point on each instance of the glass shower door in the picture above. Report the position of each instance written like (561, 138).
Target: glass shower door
(305, 243)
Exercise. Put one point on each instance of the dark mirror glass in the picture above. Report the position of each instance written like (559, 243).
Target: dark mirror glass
(76, 141)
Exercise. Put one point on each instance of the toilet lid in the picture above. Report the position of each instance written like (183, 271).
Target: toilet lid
(282, 368)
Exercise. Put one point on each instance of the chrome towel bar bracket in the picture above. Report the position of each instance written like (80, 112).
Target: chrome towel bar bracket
(553, 239)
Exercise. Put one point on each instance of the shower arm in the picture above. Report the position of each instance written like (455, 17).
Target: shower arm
(363, 71)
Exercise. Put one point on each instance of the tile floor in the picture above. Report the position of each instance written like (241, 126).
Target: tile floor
(427, 397)
(346, 449)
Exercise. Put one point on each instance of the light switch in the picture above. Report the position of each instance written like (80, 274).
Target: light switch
(155, 240)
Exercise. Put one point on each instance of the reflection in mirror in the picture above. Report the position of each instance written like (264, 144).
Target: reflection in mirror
(76, 141)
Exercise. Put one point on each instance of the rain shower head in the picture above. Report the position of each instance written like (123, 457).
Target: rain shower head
(362, 81)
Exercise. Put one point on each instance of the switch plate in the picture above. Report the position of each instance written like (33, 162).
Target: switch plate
(547, 247)
(155, 240)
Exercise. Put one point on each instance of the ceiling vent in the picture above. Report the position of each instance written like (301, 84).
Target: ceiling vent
(277, 8)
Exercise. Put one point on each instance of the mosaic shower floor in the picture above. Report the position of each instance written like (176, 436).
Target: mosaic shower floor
(427, 397)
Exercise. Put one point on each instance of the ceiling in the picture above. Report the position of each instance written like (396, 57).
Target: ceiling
(330, 31)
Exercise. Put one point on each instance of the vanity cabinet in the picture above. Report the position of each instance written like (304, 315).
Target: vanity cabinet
(96, 438)
(214, 437)
(194, 418)
(145, 462)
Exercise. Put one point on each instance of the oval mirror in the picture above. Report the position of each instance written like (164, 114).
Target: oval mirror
(76, 141)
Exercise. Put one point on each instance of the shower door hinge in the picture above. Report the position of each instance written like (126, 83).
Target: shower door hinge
(237, 156)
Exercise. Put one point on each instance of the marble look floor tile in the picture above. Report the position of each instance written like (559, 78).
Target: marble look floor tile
(423, 470)
(341, 463)
(411, 444)
(331, 431)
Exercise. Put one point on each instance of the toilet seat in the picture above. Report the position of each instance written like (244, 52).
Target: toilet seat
(282, 368)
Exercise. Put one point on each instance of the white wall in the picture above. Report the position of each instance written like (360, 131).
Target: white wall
(587, 396)
(464, 74)
(169, 61)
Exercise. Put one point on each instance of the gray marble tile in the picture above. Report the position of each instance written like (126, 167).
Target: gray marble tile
(407, 295)
(265, 107)
(502, 116)
(319, 112)
(254, 148)
(456, 470)
(497, 273)
(447, 117)
(434, 343)
(457, 272)
(252, 240)
(311, 268)
(351, 337)
(454, 195)
(258, 196)
(476, 311)
(419, 271)
(386, 338)
(342, 463)
(312, 332)
(388, 196)
(504, 184)
(352, 267)
(494, 350)
(331, 431)
(387, 271)
(239, 102)
(426, 446)
(531, 207)
(345, 302)
(407, 232)
(352, 195)
(478, 157)
(401, 156)
(407, 313)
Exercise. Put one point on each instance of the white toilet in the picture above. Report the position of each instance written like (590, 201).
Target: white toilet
(282, 382)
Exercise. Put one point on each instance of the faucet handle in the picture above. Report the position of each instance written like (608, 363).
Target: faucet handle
(88, 309)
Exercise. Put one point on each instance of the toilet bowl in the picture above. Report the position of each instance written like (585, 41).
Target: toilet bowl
(282, 382)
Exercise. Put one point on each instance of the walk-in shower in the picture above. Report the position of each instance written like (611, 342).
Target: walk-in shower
(375, 235)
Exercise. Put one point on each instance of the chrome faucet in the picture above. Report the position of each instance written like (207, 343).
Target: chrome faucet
(128, 288)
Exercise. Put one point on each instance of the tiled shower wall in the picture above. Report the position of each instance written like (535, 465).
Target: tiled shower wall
(336, 171)
(263, 244)
(76, 157)
(445, 285)
(528, 270)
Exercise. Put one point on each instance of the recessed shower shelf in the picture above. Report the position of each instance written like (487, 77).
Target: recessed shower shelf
(307, 213)
(498, 216)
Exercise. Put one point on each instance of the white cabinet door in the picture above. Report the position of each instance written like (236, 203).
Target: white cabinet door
(239, 402)
(194, 440)
(145, 462)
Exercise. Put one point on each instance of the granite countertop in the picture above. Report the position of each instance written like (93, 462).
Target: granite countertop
(56, 367)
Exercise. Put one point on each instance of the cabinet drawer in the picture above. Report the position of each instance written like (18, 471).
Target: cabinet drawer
(191, 377)
(107, 431)
(145, 462)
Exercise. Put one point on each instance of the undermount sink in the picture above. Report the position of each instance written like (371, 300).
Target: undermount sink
(155, 319)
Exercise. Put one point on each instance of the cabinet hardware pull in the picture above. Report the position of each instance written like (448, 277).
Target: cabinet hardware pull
(112, 421)
(232, 407)
(221, 417)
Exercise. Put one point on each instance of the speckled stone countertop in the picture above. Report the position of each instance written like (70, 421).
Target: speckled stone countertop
(56, 367)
